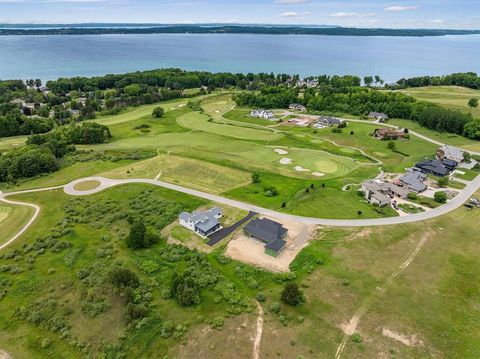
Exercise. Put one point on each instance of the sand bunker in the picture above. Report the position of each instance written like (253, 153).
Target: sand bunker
(318, 174)
(301, 169)
(286, 161)
(280, 151)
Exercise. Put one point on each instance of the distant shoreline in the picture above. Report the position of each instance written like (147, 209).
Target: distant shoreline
(124, 29)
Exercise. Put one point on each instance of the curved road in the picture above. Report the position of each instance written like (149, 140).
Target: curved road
(456, 202)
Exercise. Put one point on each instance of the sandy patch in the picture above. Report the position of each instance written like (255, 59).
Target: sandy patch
(318, 174)
(349, 328)
(280, 151)
(251, 251)
(408, 340)
(4, 355)
(301, 169)
(285, 161)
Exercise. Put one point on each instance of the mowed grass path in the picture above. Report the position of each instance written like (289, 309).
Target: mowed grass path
(12, 219)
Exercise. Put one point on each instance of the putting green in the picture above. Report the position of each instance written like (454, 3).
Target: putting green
(327, 166)
(348, 150)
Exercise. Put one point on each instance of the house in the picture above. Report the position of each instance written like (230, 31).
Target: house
(414, 181)
(202, 223)
(297, 107)
(434, 167)
(312, 83)
(327, 121)
(269, 232)
(379, 192)
(259, 113)
(380, 117)
(450, 153)
(386, 133)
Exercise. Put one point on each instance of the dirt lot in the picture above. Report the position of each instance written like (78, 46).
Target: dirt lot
(251, 251)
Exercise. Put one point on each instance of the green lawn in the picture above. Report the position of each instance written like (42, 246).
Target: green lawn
(12, 219)
(453, 97)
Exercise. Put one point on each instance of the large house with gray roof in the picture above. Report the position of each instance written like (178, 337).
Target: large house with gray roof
(380, 193)
(269, 232)
(202, 223)
(414, 181)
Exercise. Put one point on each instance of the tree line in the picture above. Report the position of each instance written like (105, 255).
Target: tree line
(464, 79)
(44, 152)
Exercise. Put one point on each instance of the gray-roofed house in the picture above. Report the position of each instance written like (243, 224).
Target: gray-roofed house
(297, 107)
(381, 193)
(450, 153)
(381, 117)
(327, 121)
(269, 232)
(414, 180)
(435, 167)
(202, 223)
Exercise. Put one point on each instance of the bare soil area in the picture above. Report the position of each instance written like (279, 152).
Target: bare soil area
(251, 251)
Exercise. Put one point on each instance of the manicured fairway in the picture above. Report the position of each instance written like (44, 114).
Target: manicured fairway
(197, 121)
(201, 175)
(12, 219)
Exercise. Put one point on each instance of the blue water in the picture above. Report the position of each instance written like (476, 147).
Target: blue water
(50, 57)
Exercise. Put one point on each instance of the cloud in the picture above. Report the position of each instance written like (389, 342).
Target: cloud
(295, 14)
(351, 14)
(436, 21)
(397, 8)
(292, 1)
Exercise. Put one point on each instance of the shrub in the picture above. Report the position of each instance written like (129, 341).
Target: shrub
(356, 338)
(442, 181)
(270, 191)
(412, 195)
(260, 297)
(275, 308)
(291, 295)
(123, 277)
(158, 112)
(391, 145)
(255, 178)
(440, 197)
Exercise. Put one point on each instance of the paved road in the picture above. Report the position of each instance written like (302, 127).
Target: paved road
(456, 202)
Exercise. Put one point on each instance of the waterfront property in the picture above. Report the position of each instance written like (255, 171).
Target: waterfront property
(202, 223)
(269, 232)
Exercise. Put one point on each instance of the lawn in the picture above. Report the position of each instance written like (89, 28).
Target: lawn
(201, 175)
(453, 97)
(12, 219)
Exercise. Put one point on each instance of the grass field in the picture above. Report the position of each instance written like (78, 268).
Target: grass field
(86, 185)
(453, 97)
(201, 175)
(12, 218)
(339, 272)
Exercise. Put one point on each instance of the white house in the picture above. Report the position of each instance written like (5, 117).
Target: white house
(259, 113)
(202, 223)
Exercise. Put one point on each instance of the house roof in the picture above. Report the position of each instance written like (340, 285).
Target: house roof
(434, 166)
(377, 114)
(276, 245)
(452, 153)
(205, 221)
(414, 180)
(265, 230)
(330, 120)
(379, 196)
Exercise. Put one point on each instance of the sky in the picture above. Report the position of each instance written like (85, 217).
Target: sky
(451, 14)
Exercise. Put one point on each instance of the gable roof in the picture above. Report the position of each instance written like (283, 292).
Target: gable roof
(276, 245)
(414, 180)
(434, 166)
(265, 230)
(377, 114)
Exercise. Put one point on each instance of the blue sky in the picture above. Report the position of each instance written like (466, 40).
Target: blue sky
(462, 14)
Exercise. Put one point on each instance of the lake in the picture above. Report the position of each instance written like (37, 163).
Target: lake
(50, 57)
